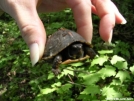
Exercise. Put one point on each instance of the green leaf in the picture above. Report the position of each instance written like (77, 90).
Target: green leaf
(105, 52)
(76, 64)
(64, 88)
(50, 76)
(132, 69)
(94, 69)
(84, 97)
(116, 82)
(99, 60)
(123, 75)
(91, 78)
(91, 89)
(61, 75)
(67, 10)
(47, 90)
(110, 92)
(55, 85)
(68, 70)
(121, 65)
(116, 58)
(108, 71)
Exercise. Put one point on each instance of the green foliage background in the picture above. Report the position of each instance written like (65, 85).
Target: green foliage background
(108, 75)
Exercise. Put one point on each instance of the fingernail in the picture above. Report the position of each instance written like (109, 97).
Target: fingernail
(110, 37)
(34, 53)
(123, 22)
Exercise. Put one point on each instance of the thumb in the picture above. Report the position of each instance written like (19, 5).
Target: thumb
(34, 36)
(31, 28)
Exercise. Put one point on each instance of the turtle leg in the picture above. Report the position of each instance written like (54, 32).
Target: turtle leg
(55, 67)
(89, 51)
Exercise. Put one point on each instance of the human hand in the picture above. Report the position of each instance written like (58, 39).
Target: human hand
(33, 31)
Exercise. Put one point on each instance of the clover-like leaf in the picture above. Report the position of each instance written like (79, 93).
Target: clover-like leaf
(50, 76)
(68, 70)
(99, 60)
(47, 90)
(110, 92)
(91, 89)
(116, 58)
(132, 69)
(116, 82)
(57, 84)
(91, 78)
(76, 64)
(64, 88)
(105, 51)
(123, 75)
(108, 71)
(84, 97)
(121, 65)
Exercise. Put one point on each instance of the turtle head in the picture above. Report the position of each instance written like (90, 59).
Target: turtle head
(76, 50)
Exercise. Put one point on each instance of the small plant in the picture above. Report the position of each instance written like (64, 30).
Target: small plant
(106, 77)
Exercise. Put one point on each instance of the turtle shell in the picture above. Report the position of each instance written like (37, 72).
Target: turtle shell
(60, 40)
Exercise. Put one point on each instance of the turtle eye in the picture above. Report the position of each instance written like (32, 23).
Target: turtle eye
(77, 46)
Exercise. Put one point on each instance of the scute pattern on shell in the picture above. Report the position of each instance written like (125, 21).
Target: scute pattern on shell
(59, 41)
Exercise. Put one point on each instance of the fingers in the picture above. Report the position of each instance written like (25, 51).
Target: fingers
(105, 9)
(109, 15)
(34, 36)
(82, 15)
(30, 25)
(33, 33)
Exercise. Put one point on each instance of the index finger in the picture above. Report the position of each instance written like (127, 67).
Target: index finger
(82, 15)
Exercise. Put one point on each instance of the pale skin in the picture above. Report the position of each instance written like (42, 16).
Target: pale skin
(33, 32)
